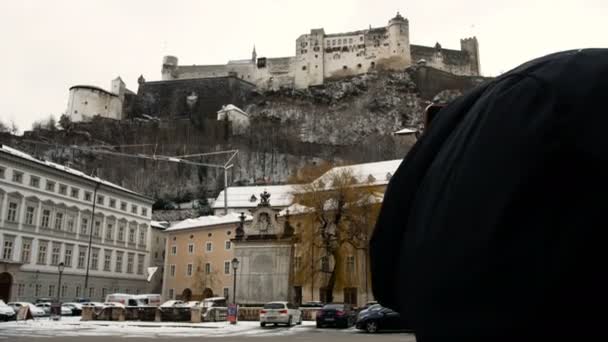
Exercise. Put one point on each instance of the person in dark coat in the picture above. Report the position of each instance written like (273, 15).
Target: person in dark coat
(495, 225)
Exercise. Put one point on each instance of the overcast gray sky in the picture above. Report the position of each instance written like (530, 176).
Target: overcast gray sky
(48, 46)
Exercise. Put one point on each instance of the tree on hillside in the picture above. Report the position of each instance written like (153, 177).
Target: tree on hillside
(339, 215)
(65, 122)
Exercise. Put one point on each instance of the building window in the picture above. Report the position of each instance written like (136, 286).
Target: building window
(140, 263)
(297, 262)
(2, 172)
(123, 206)
(34, 181)
(77, 291)
(131, 235)
(50, 185)
(191, 248)
(207, 268)
(350, 264)
(42, 253)
(88, 196)
(70, 223)
(58, 221)
(52, 291)
(112, 203)
(7, 254)
(100, 199)
(118, 262)
(226, 267)
(92, 292)
(344, 67)
(130, 261)
(226, 293)
(17, 176)
(11, 215)
(304, 67)
(142, 236)
(171, 294)
(107, 260)
(174, 250)
(37, 290)
(64, 290)
(133, 209)
(189, 270)
(104, 292)
(325, 264)
(209, 247)
(63, 189)
(94, 259)
(109, 232)
(121, 233)
(21, 290)
(228, 245)
(97, 229)
(172, 270)
(46, 218)
(26, 251)
(84, 226)
(144, 211)
(67, 258)
(82, 254)
(29, 215)
(74, 192)
(55, 253)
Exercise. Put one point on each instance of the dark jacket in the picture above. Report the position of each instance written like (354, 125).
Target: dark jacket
(495, 225)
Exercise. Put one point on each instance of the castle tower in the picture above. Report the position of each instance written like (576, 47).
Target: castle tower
(471, 46)
(118, 87)
(399, 42)
(169, 70)
(310, 59)
(254, 55)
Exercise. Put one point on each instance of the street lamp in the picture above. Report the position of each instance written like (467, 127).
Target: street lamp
(235, 266)
(60, 268)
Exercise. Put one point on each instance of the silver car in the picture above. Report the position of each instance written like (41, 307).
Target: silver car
(280, 313)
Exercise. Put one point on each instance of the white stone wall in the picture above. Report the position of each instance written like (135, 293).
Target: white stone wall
(84, 103)
(63, 208)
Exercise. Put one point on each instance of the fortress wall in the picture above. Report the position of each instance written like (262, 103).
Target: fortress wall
(453, 61)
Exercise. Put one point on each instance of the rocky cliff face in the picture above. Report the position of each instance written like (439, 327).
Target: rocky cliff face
(346, 121)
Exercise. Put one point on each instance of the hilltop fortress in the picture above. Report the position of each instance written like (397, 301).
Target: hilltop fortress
(320, 56)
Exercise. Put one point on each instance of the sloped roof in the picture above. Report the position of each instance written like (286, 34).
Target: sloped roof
(241, 196)
(378, 173)
(207, 221)
(65, 169)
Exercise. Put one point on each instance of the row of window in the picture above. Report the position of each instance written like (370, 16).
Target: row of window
(35, 182)
(324, 261)
(207, 270)
(65, 220)
(208, 247)
(55, 250)
(78, 291)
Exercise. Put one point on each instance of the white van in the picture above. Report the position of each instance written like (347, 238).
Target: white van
(134, 300)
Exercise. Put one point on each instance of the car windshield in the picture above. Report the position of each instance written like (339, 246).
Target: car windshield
(334, 307)
(274, 306)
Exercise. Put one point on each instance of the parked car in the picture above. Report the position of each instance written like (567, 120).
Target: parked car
(312, 304)
(113, 305)
(367, 305)
(172, 304)
(369, 308)
(92, 304)
(214, 309)
(336, 314)
(75, 307)
(280, 313)
(192, 303)
(36, 311)
(44, 300)
(7, 313)
(82, 300)
(381, 319)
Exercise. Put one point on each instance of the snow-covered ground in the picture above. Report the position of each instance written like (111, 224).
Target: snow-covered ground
(72, 326)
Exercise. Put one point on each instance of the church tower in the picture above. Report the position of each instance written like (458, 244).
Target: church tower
(254, 55)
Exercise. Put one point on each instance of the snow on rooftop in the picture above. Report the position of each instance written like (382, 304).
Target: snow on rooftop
(74, 172)
(159, 224)
(405, 131)
(296, 209)
(249, 196)
(378, 173)
(207, 221)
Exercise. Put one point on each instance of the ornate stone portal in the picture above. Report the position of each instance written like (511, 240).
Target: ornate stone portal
(265, 252)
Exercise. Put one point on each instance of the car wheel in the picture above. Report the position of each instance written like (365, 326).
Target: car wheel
(290, 321)
(262, 324)
(371, 327)
(300, 320)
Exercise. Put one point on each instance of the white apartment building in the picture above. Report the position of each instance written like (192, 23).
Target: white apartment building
(50, 214)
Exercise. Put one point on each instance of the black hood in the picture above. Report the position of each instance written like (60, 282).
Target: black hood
(495, 222)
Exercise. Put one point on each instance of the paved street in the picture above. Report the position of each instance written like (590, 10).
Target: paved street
(71, 329)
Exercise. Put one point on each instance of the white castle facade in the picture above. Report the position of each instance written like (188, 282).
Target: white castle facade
(320, 56)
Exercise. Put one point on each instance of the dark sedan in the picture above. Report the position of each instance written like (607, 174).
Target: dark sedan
(381, 319)
(338, 315)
